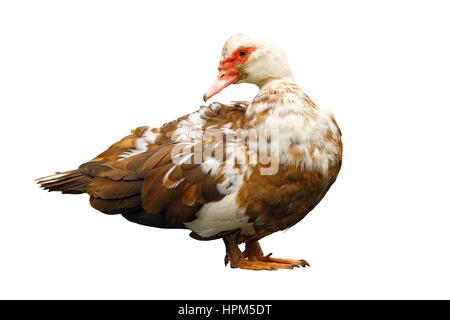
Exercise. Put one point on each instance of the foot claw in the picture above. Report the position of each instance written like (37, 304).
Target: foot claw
(226, 260)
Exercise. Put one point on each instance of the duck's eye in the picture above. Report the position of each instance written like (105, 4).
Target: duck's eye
(242, 53)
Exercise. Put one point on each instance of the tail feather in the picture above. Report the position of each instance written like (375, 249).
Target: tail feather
(73, 182)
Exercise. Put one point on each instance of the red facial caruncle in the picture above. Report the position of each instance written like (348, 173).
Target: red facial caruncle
(228, 72)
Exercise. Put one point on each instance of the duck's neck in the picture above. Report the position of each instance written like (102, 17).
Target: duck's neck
(274, 83)
(277, 98)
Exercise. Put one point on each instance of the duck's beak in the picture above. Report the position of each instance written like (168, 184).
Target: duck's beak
(223, 80)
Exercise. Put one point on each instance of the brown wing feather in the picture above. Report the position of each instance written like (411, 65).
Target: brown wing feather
(126, 144)
(116, 206)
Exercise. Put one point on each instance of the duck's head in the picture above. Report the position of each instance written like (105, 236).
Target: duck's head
(249, 60)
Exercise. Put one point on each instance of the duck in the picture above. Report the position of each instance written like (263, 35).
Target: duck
(238, 171)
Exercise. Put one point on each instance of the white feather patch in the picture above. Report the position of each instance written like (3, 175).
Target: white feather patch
(220, 216)
(141, 144)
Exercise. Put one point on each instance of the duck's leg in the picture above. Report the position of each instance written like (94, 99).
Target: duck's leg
(254, 252)
(236, 258)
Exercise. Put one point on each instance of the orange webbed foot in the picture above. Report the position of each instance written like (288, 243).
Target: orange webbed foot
(296, 263)
(260, 265)
(253, 257)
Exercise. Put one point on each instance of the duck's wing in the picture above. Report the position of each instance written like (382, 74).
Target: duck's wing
(156, 176)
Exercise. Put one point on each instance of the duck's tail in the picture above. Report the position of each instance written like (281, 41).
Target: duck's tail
(71, 182)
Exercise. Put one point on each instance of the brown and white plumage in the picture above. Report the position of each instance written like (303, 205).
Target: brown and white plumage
(158, 177)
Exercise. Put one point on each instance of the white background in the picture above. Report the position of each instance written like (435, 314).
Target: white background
(76, 76)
